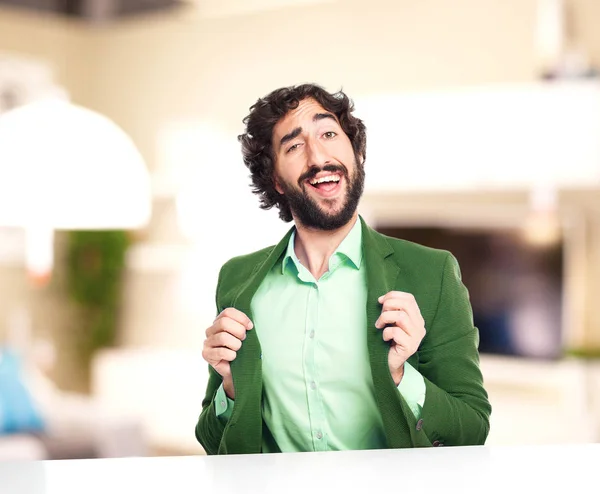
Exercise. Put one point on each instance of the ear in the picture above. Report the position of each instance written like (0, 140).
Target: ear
(277, 186)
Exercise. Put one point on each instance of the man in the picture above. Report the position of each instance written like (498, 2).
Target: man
(337, 338)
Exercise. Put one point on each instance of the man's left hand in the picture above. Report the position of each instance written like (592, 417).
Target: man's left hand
(404, 328)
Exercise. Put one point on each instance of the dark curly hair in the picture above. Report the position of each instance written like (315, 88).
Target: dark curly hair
(256, 142)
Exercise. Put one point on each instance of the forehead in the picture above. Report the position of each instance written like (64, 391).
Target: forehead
(298, 117)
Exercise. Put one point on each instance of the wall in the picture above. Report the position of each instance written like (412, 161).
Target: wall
(60, 42)
(148, 72)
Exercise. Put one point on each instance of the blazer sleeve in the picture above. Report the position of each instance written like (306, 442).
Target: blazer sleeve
(456, 410)
(209, 428)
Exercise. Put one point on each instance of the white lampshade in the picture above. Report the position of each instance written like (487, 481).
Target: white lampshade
(66, 167)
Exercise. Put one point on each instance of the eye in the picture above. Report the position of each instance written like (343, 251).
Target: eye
(329, 134)
(293, 147)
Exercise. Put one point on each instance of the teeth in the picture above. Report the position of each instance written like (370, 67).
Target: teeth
(328, 178)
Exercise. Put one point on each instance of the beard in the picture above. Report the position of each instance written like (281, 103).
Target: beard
(308, 212)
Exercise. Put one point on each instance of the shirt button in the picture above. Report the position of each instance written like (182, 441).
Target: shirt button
(223, 404)
(319, 435)
(313, 385)
(312, 333)
(420, 424)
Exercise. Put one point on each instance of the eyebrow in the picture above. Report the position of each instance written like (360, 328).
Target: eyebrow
(296, 132)
(292, 135)
(321, 116)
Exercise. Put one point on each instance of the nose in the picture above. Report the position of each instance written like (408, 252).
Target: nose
(317, 154)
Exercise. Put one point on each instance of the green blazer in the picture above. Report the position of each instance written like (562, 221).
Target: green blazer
(456, 409)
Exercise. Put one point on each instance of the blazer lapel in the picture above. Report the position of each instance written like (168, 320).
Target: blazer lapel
(382, 273)
(243, 300)
(246, 369)
(383, 276)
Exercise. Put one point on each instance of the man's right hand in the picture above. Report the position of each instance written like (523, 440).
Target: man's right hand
(223, 339)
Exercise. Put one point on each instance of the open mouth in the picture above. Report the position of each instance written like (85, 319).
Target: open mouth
(326, 184)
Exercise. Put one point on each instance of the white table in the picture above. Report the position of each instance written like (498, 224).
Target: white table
(449, 469)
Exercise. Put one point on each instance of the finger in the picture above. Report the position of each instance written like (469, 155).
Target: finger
(388, 333)
(401, 303)
(214, 355)
(397, 318)
(405, 302)
(397, 337)
(223, 368)
(395, 294)
(409, 308)
(237, 316)
(224, 339)
(228, 325)
(400, 300)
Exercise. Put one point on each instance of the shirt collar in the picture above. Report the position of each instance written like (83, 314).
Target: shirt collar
(351, 248)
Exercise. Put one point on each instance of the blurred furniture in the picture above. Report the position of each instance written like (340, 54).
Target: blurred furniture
(75, 426)
(22, 447)
(451, 132)
(164, 387)
(542, 402)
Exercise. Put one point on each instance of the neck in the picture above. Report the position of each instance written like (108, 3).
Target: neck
(315, 247)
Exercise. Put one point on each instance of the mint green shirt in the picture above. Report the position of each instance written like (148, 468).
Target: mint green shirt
(317, 386)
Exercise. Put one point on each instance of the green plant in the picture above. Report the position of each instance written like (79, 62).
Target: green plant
(591, 353)
(95, 267)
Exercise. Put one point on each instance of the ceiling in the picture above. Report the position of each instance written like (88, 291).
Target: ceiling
(227, 8)
(103, 10)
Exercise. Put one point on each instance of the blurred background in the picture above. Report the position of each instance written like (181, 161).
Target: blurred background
(122, 191)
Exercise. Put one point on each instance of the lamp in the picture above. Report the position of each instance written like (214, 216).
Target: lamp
(65, 167)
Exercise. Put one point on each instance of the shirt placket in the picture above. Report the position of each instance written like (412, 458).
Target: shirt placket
(313, 392)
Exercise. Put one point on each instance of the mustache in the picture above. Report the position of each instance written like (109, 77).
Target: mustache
(314, 171)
